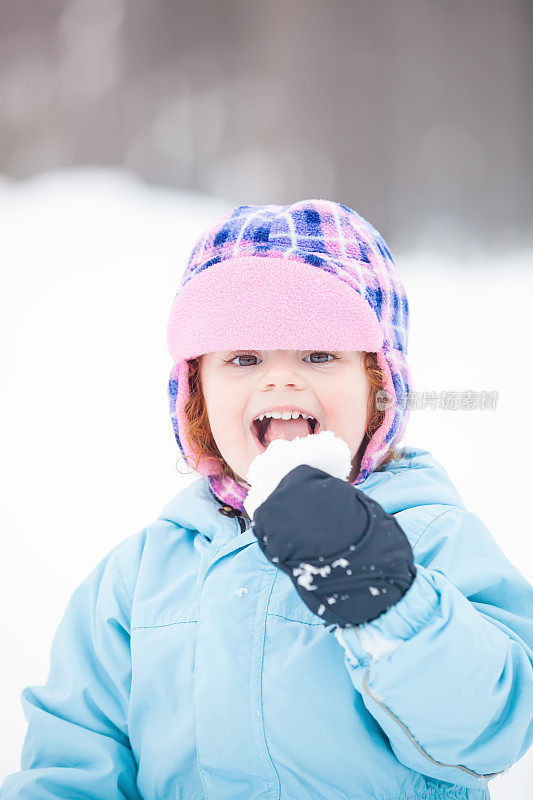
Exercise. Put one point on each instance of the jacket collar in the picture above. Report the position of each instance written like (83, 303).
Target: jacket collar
(196, 508)
(416, 479)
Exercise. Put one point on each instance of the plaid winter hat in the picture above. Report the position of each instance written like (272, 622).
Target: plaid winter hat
(314, 274)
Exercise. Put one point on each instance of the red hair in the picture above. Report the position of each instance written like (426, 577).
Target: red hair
(199, 430)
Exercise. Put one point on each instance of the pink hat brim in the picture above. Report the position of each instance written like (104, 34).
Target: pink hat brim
(261, 303)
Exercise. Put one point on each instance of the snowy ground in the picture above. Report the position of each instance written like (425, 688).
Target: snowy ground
(91, 260)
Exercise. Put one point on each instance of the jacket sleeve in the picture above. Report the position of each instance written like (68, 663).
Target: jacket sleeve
(447, 672)
(77, 743)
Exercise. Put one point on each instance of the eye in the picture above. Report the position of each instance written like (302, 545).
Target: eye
(334, 356)
(231, 359)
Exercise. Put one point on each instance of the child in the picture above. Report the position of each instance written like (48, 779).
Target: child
(322, 618)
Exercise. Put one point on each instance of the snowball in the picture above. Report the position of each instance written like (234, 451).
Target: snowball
(324, 450)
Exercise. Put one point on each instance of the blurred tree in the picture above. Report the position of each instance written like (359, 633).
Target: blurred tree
(416, 113)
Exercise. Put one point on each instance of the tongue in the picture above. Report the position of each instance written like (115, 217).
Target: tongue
(286, 429)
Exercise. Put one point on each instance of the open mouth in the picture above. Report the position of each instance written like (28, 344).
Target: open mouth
(259, 429)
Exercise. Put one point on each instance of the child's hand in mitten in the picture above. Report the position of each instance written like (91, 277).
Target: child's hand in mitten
(348, 559)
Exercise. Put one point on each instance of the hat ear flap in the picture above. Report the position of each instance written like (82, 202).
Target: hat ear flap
(394, 401)
(179, 394)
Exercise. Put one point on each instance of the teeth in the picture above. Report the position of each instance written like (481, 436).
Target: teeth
(284, 415)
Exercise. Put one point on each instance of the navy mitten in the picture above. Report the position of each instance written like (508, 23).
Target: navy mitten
(349, 560)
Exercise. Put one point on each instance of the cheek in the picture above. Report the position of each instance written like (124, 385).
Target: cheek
(227, 412)
(220, 399)
(350, 413)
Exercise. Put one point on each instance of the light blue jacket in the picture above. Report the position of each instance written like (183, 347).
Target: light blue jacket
(187, 666)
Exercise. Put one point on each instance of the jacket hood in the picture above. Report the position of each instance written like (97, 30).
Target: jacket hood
(417, 479)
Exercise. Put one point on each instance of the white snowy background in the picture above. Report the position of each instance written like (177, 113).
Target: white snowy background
(90, 261)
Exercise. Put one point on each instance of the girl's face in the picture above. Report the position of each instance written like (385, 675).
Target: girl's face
(239, 384)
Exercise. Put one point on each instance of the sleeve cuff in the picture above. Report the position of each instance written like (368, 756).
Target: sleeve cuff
(367, 642)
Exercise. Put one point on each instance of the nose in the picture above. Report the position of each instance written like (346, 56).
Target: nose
(281, 369)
